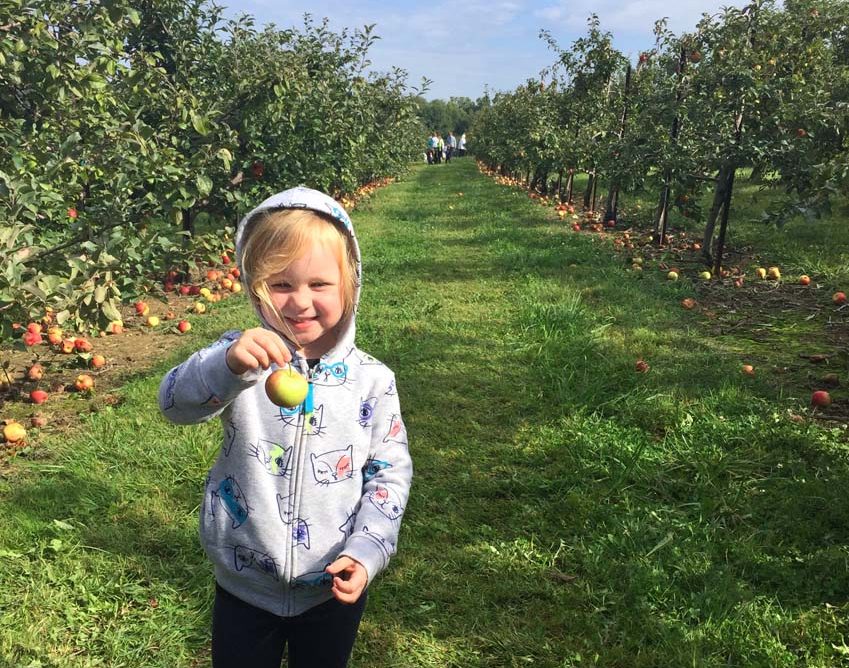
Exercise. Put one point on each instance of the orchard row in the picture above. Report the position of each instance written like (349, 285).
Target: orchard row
(133, 137)
(764, 87)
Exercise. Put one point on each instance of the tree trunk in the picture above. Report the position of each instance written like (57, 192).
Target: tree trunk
(758, 172)
(723, 226)
(595, 191)
(663, 207)
(570, 182)
(588, 193)
(560, 186)
(612, 204)
(716, 207)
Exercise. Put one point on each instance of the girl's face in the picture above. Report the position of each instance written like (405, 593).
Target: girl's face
(308, 296)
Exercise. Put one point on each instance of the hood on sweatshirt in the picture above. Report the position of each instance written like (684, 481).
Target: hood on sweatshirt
(304, 198)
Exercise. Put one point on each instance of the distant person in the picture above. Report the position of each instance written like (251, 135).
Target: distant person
(440, 147)
(450, 146)
(432, 144)
(461, 145)
(302, 507)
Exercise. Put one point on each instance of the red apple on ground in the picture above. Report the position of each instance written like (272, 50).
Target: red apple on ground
(839, 298)
(38, 396)
(35, 372)
(67, 346)
(97, 361)
(184, 326)
(286, 387)
(804, 279)
(142, 308)
(748, 369)
(185, 290)
(38, 421)
(32, 338)
(34, 327)
(688, 303)
(82, 345)
(641, 366)
(821, 398)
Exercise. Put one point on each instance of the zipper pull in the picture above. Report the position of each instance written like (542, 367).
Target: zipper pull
(308, 408)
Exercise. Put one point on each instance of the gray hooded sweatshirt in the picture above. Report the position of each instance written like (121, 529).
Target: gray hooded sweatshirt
(294, 489)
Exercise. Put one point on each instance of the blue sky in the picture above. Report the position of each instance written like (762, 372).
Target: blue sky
(464, 46)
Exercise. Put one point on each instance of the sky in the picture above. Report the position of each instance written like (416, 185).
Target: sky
(470, 46)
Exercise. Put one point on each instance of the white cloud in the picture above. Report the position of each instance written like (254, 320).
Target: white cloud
(633, 16)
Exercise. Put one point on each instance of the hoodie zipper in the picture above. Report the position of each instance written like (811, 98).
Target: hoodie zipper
(297, 482)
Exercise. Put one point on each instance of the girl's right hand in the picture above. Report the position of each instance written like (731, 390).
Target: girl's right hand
(257, 347)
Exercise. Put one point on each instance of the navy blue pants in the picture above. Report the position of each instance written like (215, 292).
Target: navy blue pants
(244, 636)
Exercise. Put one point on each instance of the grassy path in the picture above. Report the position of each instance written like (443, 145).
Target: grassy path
(566, 511)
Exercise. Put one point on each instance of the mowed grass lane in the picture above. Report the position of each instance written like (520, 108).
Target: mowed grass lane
(566, 511)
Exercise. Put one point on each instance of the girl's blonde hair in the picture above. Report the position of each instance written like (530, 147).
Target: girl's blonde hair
(275, 239)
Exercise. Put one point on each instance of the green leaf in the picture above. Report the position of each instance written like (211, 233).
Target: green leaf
(110, 310)
(199, 123)
(204, 184)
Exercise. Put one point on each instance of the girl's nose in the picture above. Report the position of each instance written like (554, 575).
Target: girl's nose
(300, 299)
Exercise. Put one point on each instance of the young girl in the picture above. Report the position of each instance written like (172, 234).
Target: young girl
(302, 507)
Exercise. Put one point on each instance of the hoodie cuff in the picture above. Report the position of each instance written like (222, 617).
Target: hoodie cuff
(367, 553)
(220, 380)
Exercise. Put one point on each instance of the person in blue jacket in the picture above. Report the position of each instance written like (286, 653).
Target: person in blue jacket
(302, 506)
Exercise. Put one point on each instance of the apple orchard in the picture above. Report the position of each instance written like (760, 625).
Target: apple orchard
(131, 142)
(761, 91)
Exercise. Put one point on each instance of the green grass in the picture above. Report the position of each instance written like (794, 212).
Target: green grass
(566, 511)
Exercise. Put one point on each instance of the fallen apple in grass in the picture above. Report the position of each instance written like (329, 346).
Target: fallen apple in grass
(286, 387)
(35, 372)
(38, 396)
(821, 398)
(761, 272)
(804, 279)
(14, 432)
(142, 308)
(672, 276)
(773, 273)
(688, 303)
(152, 321)
(31, 338)
(82, 345)
(641, 366)
(748, 369)
(84, 383)
(184, 326)
(705, 275)
(839, 298)
(97, 361)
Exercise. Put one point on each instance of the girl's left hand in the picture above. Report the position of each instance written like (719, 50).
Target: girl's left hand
(349, 579)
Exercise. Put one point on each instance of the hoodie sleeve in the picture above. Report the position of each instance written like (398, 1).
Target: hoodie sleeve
(386, 486)
(202, 386)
